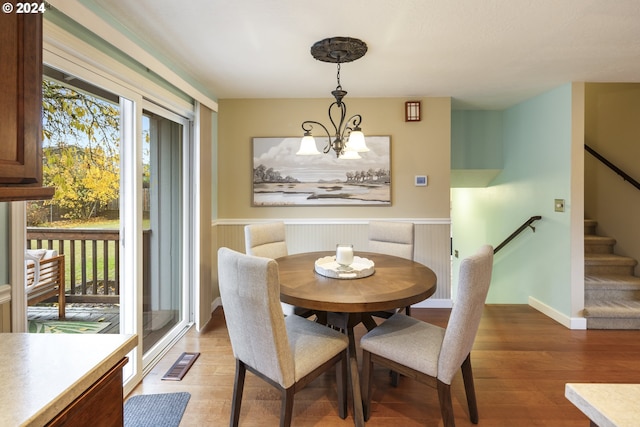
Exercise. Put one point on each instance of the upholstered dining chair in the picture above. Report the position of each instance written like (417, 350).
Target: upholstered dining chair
(286, 352)
(391, 238)
(269, 240)
(266, 240)
(429, 353)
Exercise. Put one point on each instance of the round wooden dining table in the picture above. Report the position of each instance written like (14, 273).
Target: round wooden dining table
(395, 283)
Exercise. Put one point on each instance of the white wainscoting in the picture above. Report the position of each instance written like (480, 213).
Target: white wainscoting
(432, 243)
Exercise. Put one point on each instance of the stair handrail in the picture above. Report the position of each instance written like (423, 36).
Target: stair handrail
(518, 231)
(625, 176)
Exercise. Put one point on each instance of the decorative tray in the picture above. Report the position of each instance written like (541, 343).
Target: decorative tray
(360, 267)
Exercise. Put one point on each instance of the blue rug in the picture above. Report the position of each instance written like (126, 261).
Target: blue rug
(155, 410)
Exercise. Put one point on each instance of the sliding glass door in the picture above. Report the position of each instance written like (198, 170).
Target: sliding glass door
(131, 164)
(165, 184)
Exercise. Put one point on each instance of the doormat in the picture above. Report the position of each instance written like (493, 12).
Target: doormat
(180, 367)
(155, 410)
(65, 327)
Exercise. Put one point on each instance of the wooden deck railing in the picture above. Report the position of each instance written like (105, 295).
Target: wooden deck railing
(92, 260)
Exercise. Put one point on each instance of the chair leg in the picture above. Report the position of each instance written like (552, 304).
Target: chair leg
(286, 410)
(341, 382)
(367, 374)
(446, 407)
(469, 388)
(238, 387)
(407, 310)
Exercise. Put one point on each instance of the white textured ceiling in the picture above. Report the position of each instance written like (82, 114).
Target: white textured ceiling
(483, 53)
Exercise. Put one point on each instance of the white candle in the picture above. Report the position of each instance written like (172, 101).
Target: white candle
(344, 254)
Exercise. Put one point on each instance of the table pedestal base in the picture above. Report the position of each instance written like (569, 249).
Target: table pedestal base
(346, 322)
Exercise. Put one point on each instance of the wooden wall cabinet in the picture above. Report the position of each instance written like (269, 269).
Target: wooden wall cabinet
(21, 108)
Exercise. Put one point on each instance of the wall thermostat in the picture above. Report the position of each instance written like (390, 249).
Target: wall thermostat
(421, 181)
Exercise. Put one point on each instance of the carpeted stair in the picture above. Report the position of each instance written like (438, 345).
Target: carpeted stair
(612, 292)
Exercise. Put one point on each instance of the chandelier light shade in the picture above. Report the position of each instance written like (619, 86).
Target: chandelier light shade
(307, 146)
(347, 139)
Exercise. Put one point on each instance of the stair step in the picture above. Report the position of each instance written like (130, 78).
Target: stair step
(611, 288)
(611, 281)
(611, 291)
(598, 244)
(613, 315)
(597, 264)
(590, 226)
(626, 309)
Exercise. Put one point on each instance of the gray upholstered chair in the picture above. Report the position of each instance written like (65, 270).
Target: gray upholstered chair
(429, 353)
(286, 352)
(269, 240)
(391, 238)
(266, 240)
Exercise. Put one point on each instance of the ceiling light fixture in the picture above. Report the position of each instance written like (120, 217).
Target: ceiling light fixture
(348, 137)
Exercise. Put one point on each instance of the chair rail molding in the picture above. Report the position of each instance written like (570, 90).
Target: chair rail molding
(328, 221)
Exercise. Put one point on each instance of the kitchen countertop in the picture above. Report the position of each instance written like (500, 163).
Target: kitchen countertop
(607, 405)
(41, 374)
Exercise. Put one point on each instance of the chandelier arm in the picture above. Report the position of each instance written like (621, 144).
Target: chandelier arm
(307, 126)
(343, 113)
(357, 119)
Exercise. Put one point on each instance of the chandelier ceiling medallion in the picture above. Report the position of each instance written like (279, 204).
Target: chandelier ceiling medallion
(348, 139)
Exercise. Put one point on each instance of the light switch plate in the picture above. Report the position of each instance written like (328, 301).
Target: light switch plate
(559, 205)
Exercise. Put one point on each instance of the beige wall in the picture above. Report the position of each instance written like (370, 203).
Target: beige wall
(417, 148)
(612, 128)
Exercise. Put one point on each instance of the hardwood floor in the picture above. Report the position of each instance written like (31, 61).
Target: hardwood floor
(521, 361)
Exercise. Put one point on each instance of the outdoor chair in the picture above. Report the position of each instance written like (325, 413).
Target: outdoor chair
(45, 277)
(431, 354)
(269, 240)
(287, 352)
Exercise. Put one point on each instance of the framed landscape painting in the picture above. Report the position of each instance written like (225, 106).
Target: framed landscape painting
(282, 178)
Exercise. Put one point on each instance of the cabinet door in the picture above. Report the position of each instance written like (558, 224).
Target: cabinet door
(21, 100)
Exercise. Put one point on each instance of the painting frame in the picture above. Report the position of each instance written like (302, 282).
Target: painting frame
(281, 178)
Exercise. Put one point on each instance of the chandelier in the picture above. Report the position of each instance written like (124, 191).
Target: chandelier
(348, 139)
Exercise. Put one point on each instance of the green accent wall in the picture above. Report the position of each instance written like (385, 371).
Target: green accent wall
(97, 42)
(87, 36)
(476, 139)
(536, 169)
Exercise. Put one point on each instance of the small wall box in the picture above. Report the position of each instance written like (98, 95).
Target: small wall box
(421, 181)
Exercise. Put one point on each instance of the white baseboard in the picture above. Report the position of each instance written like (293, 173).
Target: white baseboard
(215, 304)
(578, 323)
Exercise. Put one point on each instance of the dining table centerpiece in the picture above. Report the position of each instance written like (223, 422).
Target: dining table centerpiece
(344, 264)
